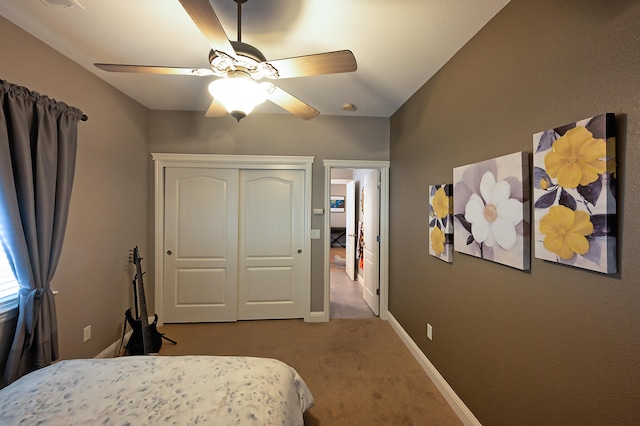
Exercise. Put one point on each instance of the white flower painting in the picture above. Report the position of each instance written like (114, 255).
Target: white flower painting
(491, 210)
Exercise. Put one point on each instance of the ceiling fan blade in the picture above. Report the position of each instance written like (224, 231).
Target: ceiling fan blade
(320, 63)
(216, 109)
(146, 69)
(207, 21)
(292, 104)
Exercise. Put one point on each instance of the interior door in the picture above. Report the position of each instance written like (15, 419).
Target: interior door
(371, 290)
(200, 247)
(350, 212)
(271, 261)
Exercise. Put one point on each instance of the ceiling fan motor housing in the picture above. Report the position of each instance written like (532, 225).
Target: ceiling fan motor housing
(247, 58)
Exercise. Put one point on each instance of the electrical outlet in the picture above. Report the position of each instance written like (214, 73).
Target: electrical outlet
(429, 332)
(87, 333)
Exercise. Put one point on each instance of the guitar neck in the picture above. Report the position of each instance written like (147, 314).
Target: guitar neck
(144, 318)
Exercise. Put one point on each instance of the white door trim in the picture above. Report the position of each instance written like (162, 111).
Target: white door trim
(383, 167)
(164, 160)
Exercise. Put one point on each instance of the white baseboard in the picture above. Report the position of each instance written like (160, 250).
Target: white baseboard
(112, 350)
(461, 410)
(320, 316)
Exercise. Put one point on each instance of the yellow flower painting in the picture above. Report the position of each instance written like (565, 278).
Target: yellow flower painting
(441, 221)
(576, 158)
(437, 240)
(566, 231)
(574, 194)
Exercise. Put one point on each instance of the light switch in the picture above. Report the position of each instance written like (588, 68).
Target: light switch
(315, 234)
(318, 211)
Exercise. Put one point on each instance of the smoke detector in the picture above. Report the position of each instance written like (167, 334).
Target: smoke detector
(62, 3)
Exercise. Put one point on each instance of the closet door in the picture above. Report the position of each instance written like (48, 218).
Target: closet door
(271, 258)
(200, 245)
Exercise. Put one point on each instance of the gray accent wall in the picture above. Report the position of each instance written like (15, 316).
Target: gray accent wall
(556, 344)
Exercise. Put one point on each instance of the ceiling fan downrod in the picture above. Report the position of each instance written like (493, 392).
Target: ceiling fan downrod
(239, 2)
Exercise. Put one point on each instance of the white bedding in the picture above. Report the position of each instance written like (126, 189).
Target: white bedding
(158, 390)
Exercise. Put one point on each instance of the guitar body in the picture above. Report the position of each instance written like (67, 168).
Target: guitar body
(145, 338)
(136, 343)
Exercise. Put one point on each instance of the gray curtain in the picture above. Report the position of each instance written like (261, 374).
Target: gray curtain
(38, 138)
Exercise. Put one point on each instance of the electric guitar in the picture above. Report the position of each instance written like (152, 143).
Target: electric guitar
(145, 338)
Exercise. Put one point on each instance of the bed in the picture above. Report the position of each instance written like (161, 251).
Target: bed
(158, 390)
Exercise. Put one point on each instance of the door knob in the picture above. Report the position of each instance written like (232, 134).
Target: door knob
(169, 252)
(299, 251)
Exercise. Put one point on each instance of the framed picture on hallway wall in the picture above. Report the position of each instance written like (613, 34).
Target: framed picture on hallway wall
(575, 193)
(441, 221)
(491, 210)
(336, 202)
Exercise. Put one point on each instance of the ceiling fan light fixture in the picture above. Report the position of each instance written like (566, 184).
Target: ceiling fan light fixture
(238, 92)
(239, 66)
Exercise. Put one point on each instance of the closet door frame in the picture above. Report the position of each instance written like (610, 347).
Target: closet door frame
(244, 162)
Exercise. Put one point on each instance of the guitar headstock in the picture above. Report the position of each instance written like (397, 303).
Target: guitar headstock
(136, 256)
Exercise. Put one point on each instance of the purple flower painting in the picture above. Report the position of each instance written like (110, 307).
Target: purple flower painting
(574, 192)
(491, 210)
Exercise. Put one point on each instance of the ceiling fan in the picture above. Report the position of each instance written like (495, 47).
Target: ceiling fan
(240, 65)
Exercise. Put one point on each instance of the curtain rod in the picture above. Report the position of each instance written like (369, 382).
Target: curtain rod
(84, 117)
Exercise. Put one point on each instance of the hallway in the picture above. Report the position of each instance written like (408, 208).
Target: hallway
(346, 299)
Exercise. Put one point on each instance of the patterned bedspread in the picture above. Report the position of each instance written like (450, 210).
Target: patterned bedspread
(158, 390)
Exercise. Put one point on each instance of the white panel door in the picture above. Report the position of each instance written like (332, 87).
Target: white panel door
(271, 275)
(350, 230)
(371, 290)
(200, 247)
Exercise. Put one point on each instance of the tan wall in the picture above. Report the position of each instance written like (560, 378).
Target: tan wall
(109, 212)
(335, 138)
(556, 344)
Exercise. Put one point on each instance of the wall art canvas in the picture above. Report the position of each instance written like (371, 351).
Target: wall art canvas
(574, 194)
(491, 210)
(441, 221)
(336, 203)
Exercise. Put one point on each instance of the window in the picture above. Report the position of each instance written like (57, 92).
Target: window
(8, 284)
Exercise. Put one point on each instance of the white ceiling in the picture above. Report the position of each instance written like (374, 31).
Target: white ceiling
(398, 45)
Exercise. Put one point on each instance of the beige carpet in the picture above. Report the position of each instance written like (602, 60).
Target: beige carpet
(359, 371)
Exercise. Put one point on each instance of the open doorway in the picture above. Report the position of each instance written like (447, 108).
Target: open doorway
(346, 281)
(371, 257)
